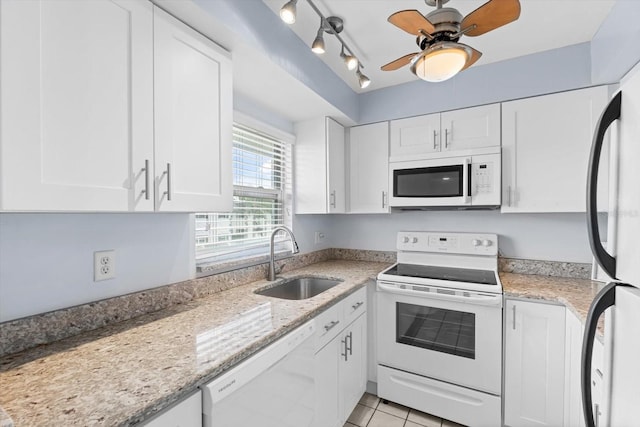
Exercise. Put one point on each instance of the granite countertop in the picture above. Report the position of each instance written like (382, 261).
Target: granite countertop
(576, 294)
(124, 373)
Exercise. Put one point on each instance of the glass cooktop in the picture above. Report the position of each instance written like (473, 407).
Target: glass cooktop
(483, 277)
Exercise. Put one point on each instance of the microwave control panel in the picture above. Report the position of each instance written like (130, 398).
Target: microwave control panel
(482, 177)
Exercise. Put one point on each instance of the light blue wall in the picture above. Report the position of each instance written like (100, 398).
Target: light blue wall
(254, 109)
(546, 72)
(257, 26)
(615, 48)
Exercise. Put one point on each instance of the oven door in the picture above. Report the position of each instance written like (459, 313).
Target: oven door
(436, 182)
(445, 334)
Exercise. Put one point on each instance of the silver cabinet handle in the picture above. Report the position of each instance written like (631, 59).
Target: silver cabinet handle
(384, 197)
(514, 317)
(332, 202)
(331, 325)
(146, 192)
(357, 305)
(509, 196)
(344, 344)
(446, 138)
(350, 348)
(435, 144)
(168, 173)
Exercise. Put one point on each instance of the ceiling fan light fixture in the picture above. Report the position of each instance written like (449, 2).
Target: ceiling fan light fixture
(441, 61)
(363, 80)
(318, 44)
(288, 12)
(350, 61)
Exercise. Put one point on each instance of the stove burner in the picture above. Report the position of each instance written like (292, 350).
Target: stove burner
(483, 277)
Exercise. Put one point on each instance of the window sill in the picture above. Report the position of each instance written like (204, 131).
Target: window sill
(204, 268)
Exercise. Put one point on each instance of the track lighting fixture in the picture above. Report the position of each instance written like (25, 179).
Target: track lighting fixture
(331, 25)
(350, 61)
(318, 44)
(363, 80)
(288, 12)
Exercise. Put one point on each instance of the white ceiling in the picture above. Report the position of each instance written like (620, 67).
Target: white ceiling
(543, 25)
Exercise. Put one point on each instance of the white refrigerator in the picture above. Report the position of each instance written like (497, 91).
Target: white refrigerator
(620, 299)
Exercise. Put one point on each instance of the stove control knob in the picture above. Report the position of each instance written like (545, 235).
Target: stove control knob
(487, 243)
(414, 240)
(405, 239)
(476, 242)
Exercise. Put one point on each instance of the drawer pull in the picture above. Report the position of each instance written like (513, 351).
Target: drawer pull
(331, 325)
(357, 305)
(599, 372)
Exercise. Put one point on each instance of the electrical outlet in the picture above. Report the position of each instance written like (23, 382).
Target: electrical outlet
(319, 235)
(104, 265)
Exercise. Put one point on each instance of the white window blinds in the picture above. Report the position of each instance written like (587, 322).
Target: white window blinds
(261, 166)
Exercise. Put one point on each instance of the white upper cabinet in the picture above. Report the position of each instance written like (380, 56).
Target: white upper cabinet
(546, 142)
(369, 168)
(319, 155)
(193, 119)
(437, 134)
(76, 94)
(77, 107)
(475, 127)
(415, 135)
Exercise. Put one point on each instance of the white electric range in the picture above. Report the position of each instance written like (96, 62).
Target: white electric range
(440, 327)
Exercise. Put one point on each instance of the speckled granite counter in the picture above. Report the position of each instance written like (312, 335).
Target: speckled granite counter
(123, 373)
(575, 294)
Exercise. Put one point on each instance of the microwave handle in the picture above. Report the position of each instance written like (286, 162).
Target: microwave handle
(466, 171)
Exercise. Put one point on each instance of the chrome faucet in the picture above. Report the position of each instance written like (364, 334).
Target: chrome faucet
(294, 250)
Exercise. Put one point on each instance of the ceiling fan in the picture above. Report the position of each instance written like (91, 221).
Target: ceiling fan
(437, 34)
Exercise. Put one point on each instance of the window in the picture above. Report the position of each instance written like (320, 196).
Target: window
(261, 197)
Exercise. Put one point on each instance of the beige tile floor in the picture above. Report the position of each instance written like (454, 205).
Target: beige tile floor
(371, 411)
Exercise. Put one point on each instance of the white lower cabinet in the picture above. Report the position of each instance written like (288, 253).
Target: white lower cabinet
(186, 413)
(341, 364)
(534, 364)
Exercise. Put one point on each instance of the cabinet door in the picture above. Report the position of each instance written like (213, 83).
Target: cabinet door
(534, 364)
(352, 372)
(475, 127)
(326, 369)
(193, 120)
(546, 142)
(186, 413)
(369, 168)
(335, 162)
(76, 102)
(414, 135)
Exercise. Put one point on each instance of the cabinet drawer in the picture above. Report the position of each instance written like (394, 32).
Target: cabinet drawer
(328, 325)
(354, 305)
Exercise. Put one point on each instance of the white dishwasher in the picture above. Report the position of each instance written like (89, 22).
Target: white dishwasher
(273, 388)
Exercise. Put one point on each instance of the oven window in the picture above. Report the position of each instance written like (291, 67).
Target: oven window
(439, 181)
(437, 329)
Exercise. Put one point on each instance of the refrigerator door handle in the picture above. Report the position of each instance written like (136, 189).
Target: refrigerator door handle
(605, 299)
(602, 257)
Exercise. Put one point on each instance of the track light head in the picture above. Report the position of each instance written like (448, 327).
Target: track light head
(350, 61)
(288, 12)
(363, 80)
(318, 44)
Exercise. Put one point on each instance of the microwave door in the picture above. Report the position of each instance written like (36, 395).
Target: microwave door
(440, 182)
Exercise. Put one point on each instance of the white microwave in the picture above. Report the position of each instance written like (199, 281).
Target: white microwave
(471, 181)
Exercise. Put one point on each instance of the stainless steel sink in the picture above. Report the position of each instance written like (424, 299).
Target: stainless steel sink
(299, 288)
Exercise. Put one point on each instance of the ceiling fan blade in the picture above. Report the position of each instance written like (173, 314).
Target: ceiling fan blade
(491, 15)
(398, 63)
(411, 21)
(475, 55)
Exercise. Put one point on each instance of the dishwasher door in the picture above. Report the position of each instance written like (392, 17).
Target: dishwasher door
(273, 388)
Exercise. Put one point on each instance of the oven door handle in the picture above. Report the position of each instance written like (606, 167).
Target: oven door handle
(476, 299)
